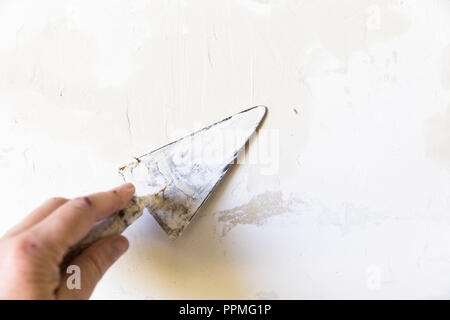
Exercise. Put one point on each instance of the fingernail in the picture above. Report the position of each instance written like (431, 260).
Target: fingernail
(126, 188)
(118, 247)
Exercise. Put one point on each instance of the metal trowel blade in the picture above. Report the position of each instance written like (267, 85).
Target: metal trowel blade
(187, 170)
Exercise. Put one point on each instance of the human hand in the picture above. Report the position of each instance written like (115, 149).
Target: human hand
(32, 251)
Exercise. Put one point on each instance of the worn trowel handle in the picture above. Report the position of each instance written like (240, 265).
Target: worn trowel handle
(113, 225)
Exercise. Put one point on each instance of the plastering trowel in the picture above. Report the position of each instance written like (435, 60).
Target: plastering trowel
(174, 181)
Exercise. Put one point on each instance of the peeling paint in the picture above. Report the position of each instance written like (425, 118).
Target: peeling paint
(257, 211)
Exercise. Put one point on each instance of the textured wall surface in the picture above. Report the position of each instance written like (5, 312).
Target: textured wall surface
(352, 199)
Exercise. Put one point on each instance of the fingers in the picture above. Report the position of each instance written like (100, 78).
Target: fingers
(92, 265)
(36, 216)
(69, 223)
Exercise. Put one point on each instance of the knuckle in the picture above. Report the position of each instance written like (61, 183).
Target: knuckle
(81, 203)
(25, 255)
(95, 266)
(24, 249)
(24, 244)
(57, 200)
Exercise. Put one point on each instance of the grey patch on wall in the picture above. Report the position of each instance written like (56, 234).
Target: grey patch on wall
(437, 138)
(266, 295)
(257, 211)
(445, 69)
(4, 156)
(348, 215)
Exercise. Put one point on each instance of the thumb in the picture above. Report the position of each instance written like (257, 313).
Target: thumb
(91, 265)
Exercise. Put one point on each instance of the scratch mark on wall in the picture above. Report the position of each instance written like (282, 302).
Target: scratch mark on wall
(166, 124)
(29, 160)
(128, 119)
(209, 57)
(257, 211)
(252, 79)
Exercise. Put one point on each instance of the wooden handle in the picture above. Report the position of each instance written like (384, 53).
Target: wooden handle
(113, 225)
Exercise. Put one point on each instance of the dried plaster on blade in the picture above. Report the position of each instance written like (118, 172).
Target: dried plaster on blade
(116, 223)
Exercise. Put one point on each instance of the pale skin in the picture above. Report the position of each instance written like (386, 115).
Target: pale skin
(32, 251)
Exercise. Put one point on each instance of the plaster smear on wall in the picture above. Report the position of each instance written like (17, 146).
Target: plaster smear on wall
(347, 216)
(262, 7)
(437, 138)
(445, 67)
(257, 211)
(73, 60)
(266, 295)
(345, 27)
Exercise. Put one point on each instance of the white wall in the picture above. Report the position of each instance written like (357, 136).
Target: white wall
(355, 200)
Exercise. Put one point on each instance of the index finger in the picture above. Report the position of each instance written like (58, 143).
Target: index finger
(73, 220)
